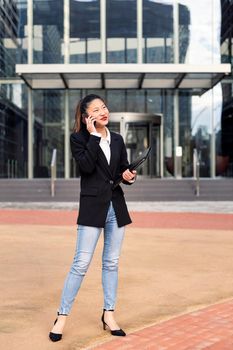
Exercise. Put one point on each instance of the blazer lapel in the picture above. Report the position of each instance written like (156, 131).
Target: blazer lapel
(103, 162)
(114, 151)
(110, 168)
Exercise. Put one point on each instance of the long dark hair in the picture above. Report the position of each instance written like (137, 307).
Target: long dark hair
(81, 111)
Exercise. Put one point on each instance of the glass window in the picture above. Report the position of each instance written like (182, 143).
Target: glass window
(184, 32)
(74, 98)
(157, 32)
(48, 131)
(135, 101)
(13, 42)
(121, 29)
(48, 31)
(13, 139)
(199, 31)
(21, 52)
(168, 131)
(85, 45)
(154, 101)
(224, 126)
(116, 100)
(195, 129)
(223, 119)
(13, 97)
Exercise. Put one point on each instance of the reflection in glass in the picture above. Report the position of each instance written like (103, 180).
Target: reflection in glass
(85, 31)
(154, 101)
(48, 131)
(13, 97)
(116, 100)
(223, 126)
(13, 136)
(199, 35)
(74, 98)
(48, 31)
(195, 113)
(199, 30)
(167, 102)
(224, 136)
(13, 36)
(121, 29)
(157, 32)
(137, 140)
(136, 101)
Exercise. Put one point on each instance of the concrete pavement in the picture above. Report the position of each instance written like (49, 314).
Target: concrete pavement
(173, 268)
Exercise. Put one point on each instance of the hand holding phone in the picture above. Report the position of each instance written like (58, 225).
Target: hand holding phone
(90, 122)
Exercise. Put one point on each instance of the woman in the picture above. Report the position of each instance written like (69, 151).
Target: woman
(102, 158)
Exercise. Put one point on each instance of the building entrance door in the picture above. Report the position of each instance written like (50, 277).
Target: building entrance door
(140, 131)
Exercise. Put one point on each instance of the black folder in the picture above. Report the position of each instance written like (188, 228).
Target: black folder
(135, 164)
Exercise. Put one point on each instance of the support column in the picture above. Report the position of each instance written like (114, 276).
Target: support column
(103, 30)
(30, 134)
(176, 30)
(30, 31)
(161, 148)
(67, 136)
(30, 95)
(139, 31)
(176, 93)
(66, 92)
(176, 129)
(67, 31)
(212, 139)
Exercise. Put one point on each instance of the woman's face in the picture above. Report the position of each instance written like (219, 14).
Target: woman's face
(98, 110)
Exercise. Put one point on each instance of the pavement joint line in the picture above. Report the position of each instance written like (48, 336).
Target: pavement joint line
(175, 207)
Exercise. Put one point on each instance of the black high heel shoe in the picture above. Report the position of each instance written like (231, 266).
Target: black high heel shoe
(55, 336)
(117, 332)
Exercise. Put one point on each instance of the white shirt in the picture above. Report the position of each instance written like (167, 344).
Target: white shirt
(105, 144)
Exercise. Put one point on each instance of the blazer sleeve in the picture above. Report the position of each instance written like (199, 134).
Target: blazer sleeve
(124, 163)
(85, 153)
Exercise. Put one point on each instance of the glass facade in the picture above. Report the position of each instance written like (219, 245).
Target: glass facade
(126, 32)
(48, 131)
(158, 32)
(224, 123)
(85, 44)
(13, 94)
(121, 31)
(48, 31)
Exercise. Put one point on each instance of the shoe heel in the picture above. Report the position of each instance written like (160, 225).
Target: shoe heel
(104, 324)
(116, 332)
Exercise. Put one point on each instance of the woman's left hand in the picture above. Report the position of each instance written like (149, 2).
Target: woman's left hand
(129, 175)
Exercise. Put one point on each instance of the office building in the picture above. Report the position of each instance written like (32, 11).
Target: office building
(163, 67)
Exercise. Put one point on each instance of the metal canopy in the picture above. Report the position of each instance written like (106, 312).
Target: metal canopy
(122, 76)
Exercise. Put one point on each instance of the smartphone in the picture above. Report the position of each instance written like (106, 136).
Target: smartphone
(86, 116)
(94, 121)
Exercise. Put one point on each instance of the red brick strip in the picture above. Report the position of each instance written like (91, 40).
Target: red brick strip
(210, 328)
(140, 219)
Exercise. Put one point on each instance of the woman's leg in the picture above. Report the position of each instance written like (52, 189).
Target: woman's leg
(113, 238)
(86, 243)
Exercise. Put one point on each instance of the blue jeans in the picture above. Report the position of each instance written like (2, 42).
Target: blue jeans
(87, 239)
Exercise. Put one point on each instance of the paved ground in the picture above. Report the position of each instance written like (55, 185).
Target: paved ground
(175, 286)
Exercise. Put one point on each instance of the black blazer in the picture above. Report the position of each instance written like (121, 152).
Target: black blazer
(97, 178)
